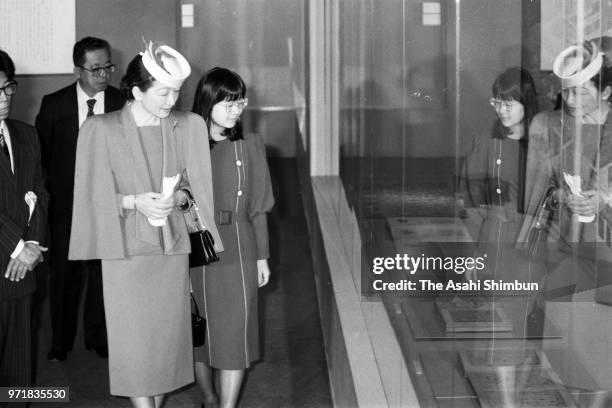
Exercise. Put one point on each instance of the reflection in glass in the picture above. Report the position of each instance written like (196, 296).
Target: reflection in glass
(428, 168)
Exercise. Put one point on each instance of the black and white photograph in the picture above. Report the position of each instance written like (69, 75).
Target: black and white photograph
(306, 203)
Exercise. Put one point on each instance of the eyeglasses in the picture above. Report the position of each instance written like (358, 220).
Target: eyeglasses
(505, 104)
(98, 72)
(9, 89)
(239, 105)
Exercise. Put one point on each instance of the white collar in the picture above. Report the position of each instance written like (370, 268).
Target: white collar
(4, 128)
(8, 141)
(82, 97)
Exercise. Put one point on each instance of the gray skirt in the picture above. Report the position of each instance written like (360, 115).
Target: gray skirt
(146, 300)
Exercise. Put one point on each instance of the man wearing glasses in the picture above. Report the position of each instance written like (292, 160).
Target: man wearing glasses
(23, 223)
(61, 115)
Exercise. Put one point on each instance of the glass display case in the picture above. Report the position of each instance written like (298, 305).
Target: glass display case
(447, 191)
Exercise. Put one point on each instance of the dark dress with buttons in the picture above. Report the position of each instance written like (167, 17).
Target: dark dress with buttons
(489, 185)
(226, 291)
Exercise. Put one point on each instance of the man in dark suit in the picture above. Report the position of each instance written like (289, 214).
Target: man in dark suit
(23, 222)
(59, 119)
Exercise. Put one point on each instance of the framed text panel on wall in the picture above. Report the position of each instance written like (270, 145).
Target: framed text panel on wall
(38, 35)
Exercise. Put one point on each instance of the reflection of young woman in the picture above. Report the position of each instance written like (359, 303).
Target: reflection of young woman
(493, 174)
(243, 195)
(493, 170)
(122, 158)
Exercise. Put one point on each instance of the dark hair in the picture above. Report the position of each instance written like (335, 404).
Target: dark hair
(604, 76)
(216, 85)
(85, 45)
(135, 75)
(6, 65)
(604, 43)
(515, 84)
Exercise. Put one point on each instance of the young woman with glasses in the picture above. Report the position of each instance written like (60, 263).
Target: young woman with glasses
(243, 195)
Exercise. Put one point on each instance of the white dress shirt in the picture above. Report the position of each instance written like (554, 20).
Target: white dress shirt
(7, 140)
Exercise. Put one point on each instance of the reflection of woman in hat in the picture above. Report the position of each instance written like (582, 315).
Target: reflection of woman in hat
(126, 213)
(585, 82)
(571, 151)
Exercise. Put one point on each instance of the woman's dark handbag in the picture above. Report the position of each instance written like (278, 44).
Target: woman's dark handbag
(202, 242)
(537, 248)
(202, 249)
(198, 325)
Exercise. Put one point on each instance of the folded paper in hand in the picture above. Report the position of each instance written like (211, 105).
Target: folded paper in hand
(575, 184)
(168, 185)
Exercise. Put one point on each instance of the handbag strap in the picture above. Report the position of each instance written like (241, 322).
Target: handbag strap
(198, 218)
(544, 207)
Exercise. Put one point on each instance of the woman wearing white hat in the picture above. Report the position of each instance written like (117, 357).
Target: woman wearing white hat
(126, 198)
(571, 151)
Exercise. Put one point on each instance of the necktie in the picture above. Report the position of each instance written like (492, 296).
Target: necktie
(4, 146)
(90, 105)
